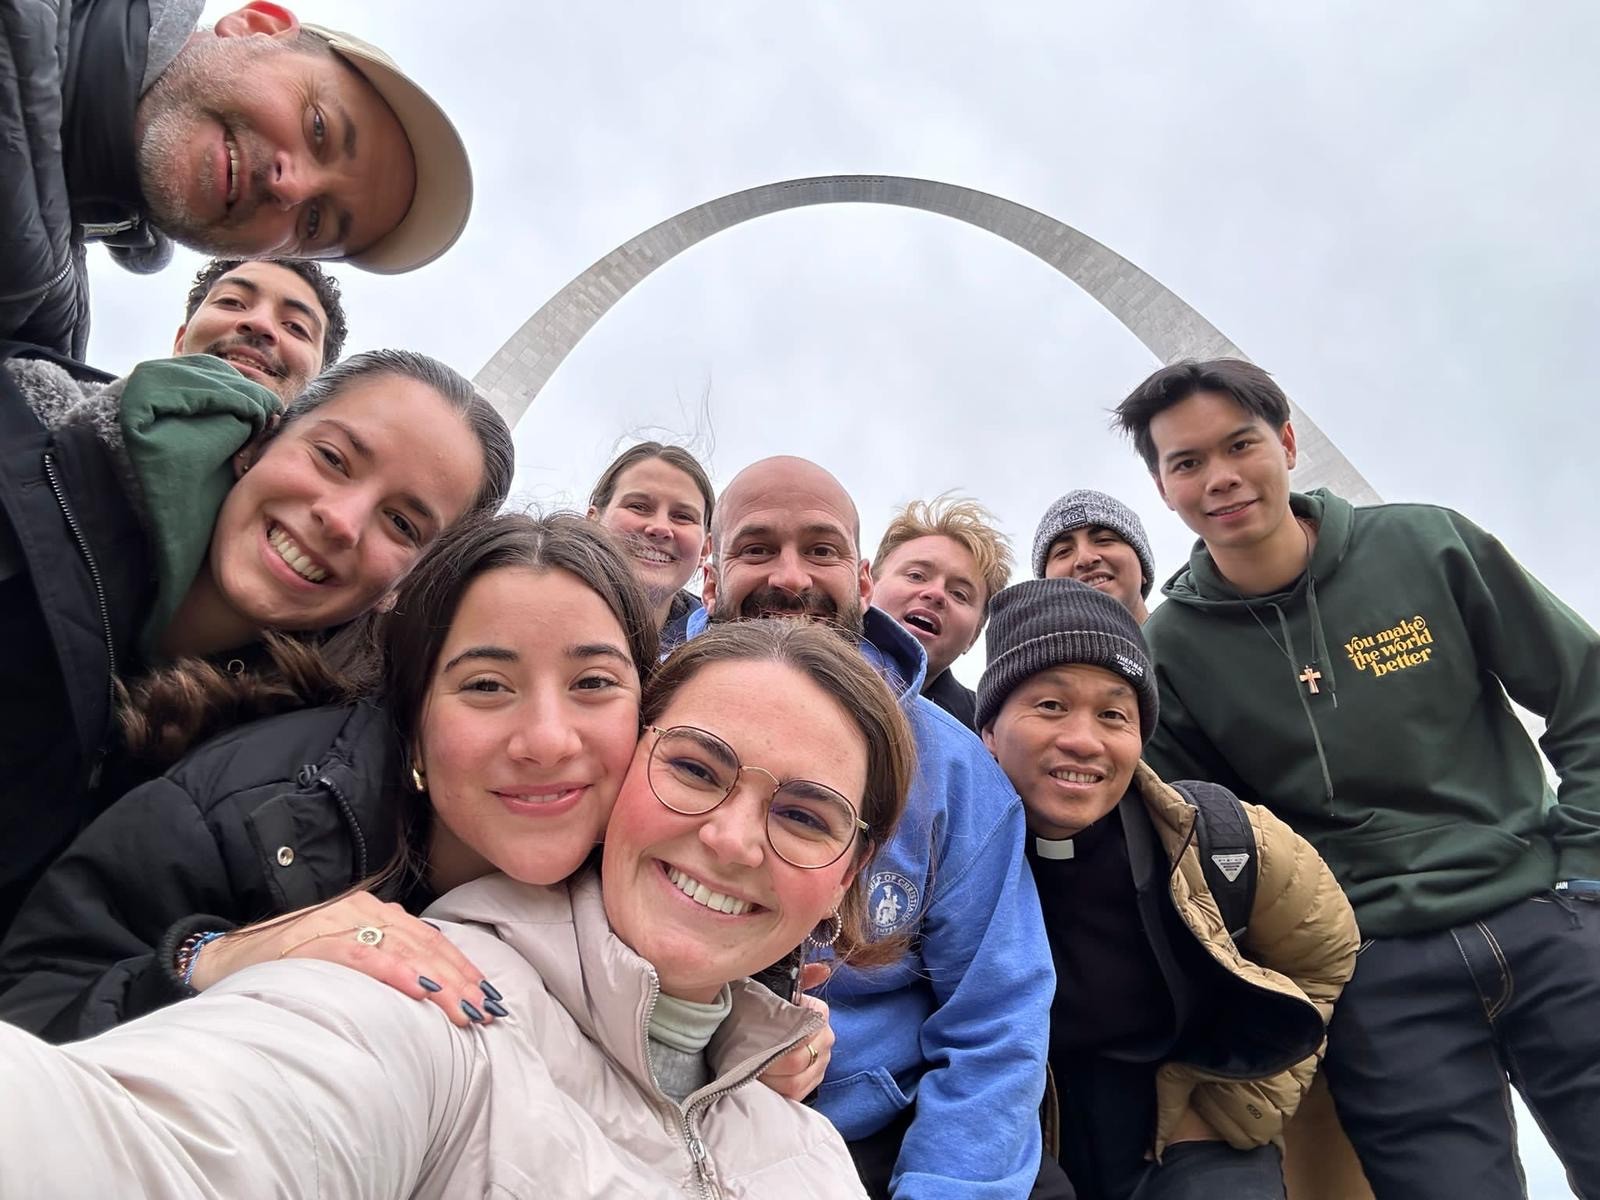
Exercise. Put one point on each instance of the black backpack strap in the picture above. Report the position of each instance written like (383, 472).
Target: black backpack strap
(1227, 846)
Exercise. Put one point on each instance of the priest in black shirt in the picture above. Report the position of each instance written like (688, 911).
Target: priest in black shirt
(1178, 1050)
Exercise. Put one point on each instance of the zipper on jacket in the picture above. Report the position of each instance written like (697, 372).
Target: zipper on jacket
(698, 1154)
(356, 834)
(43, 289)
(701, 1160)
(100, 600)
(697, 1149)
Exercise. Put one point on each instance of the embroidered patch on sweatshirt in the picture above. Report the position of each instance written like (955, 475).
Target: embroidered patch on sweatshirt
(892, 902)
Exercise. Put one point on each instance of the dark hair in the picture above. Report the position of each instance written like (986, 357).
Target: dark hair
(334, 330)
(1246, 384)
(170, 709)
(674, 456)
(166, 712)
(485, 421)
(411, 636)
(839, 669)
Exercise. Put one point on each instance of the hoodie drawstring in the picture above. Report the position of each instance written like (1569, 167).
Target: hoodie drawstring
(1305, 702)
(1319, 639)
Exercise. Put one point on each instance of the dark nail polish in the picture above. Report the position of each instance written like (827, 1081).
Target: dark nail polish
(496, 1008)
(428, 984)
(472, 1013)
(490, 990)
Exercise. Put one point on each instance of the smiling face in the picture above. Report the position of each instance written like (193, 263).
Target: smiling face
(251, 145)
(787, 548)
(660, 514)
(1224, 471)
(528, 728)
(1100, 558)
(266, 321)
(1068, 739)
(655, 857)
(932, 586)
(341, 503)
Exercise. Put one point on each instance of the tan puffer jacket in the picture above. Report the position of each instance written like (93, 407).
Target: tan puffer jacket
(1301, 942)
(301, 1078)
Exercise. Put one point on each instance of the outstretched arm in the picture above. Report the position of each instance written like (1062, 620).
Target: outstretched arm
(84, 952)
(295, 1079)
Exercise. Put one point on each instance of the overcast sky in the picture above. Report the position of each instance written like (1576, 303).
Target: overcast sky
(1390, 207)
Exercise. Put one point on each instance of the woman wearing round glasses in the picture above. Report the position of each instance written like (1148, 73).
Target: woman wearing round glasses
(506, 715)
(628, 1063)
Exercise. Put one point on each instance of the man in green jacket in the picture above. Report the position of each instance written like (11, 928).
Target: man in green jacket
(1349, 669)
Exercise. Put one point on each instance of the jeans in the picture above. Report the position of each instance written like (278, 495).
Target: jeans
(1434, 1030)
(1213, 1171)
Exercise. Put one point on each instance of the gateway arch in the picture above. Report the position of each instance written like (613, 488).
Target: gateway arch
(1167, 326)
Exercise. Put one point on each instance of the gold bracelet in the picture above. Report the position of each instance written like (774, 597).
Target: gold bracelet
(307, 941)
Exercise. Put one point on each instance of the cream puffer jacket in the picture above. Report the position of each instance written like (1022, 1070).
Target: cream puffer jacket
(1300, 943)
(301, 1078)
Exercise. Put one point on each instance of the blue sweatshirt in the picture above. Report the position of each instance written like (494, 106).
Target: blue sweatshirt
(961, 1025)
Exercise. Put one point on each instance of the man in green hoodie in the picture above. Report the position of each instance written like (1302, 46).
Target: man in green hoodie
(1349, 669)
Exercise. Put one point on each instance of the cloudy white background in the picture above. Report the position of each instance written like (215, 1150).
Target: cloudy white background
(1392, 207)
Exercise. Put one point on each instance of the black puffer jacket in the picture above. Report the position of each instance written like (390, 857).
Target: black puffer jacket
(70, 74)
(75, 584)
(266, 819)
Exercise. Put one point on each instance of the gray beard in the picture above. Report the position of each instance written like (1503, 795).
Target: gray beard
(194, 84)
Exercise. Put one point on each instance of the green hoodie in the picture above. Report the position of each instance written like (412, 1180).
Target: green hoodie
(1407, 768)
(183, 419)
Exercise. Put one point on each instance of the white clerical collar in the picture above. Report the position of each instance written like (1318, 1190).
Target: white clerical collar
(1055, 848)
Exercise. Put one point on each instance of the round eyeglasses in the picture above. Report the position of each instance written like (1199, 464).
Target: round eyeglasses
(809, 825)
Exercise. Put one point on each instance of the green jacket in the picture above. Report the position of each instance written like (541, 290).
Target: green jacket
(1407, 768)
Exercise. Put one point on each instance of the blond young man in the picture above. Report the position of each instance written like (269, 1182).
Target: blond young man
(938, 565)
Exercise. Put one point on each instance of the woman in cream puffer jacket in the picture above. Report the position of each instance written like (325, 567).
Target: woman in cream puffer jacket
(303, 1078)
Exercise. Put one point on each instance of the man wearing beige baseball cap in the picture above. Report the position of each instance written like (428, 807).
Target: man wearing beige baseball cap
(257, 137)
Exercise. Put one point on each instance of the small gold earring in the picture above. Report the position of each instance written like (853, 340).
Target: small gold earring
(418, 781)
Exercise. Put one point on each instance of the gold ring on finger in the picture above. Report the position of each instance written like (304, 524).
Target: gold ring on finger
(811, 1050)
(370, 935)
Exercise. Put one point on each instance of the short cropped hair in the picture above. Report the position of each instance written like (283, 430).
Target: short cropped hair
(1246, 384)
(326, 287)
(965, 522)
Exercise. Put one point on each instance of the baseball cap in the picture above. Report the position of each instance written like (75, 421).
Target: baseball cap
(443, 196)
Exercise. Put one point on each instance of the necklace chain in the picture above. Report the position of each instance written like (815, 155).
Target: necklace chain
(1272, 637)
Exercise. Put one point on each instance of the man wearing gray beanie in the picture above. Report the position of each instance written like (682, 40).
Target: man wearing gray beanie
(1096, 539)
(1177, 1060)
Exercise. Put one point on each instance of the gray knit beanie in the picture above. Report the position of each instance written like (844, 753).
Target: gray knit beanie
(1044, 623)
(1082, 508)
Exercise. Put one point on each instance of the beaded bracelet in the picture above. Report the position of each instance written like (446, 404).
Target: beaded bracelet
(189, 952)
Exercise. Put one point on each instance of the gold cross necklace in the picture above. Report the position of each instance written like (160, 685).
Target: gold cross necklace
(1309, 675)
